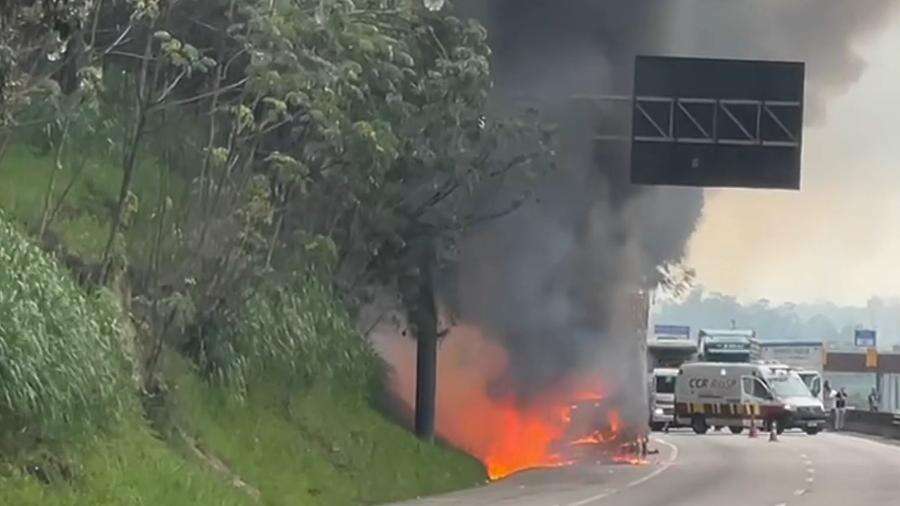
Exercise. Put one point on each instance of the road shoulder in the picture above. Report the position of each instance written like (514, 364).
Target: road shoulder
(580, 484)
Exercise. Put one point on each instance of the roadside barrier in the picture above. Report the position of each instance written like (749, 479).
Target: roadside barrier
(876, 424)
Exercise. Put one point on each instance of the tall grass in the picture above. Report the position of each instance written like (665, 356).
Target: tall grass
(127, 467)
(62, 366)
(318, 445)
(300, 333)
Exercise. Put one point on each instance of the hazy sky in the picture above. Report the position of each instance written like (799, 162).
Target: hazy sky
(839, 237)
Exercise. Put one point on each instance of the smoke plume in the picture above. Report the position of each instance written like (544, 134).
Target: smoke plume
(545, 295)
(550, 281)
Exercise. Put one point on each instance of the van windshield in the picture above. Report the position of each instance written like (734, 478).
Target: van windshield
(813, 382)
(665, 384)
(788, 386)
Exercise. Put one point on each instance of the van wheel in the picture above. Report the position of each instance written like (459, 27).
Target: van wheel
(698, 423)
(736, 429)
(812, 431)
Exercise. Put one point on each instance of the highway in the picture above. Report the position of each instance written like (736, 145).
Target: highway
(718, 469)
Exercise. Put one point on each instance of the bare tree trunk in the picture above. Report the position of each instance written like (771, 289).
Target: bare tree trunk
(4, 145)
(214, 205)
(210, 143)
(418, 294)
(65, 193)
(152, 271)
(279, 224)
(130, 160)
(51, 184)
(124, 190)
(274, 241)
(426, 384)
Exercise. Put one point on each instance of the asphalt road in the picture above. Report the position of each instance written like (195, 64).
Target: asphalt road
(718, 469)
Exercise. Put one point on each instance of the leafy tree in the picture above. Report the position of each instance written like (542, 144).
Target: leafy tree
(348, 140)
(34, 42)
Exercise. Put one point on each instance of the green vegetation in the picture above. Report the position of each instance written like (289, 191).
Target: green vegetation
(299, 332)
(83, 199)
(297, 438)
(64, 366)
(126, 466)
(228, 182)
(69, 419)
(320, 445)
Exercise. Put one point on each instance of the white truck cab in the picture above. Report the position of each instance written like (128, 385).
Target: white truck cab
(737, 394)
(662, 397)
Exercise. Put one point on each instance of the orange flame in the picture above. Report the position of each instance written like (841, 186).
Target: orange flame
(502, 432)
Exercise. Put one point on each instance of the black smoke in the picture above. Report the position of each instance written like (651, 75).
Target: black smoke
(551, 282)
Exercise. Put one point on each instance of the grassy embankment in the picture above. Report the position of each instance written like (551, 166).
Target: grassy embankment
(72, 430)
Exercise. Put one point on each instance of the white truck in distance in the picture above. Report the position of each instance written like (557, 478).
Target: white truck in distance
(734, 395)
(662, 398)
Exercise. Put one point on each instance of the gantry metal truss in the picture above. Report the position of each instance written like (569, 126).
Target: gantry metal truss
(737, 122)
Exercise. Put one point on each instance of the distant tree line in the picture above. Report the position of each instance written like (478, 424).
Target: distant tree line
(820, 321)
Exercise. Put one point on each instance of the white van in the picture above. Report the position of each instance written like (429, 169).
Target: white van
(734, 394)
(813, 380)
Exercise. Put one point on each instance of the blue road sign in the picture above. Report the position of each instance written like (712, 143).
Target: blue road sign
(864, 339)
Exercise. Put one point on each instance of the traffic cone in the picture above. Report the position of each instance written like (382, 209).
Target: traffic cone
(773, 432)
(753, 432)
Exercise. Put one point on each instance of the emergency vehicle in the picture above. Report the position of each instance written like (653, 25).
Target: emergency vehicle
(734, 395)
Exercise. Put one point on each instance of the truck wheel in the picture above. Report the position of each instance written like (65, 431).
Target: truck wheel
(781, 426)
(736, 429)
(657, 426)
(698, 423)
(812, 431)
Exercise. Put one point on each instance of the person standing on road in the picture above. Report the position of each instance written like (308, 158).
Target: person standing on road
(840, 403)
(828, 402)
(874, 400)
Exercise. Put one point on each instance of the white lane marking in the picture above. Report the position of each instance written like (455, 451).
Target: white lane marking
(810, 479)
(665, 465)
(662, 467)
(799, 491)
(810, 470)
(781, 504)
(606, 493)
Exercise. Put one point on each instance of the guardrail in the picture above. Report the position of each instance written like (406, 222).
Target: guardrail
(878, 424)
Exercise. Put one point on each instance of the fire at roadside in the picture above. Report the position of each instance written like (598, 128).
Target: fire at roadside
(578, 418)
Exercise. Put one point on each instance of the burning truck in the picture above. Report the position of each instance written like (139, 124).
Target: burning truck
(595, 412)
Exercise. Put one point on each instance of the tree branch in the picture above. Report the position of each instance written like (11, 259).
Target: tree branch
(201, 96)
(474, 221)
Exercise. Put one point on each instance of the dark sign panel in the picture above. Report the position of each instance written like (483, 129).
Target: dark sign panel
(864, 339)
(717, 123)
